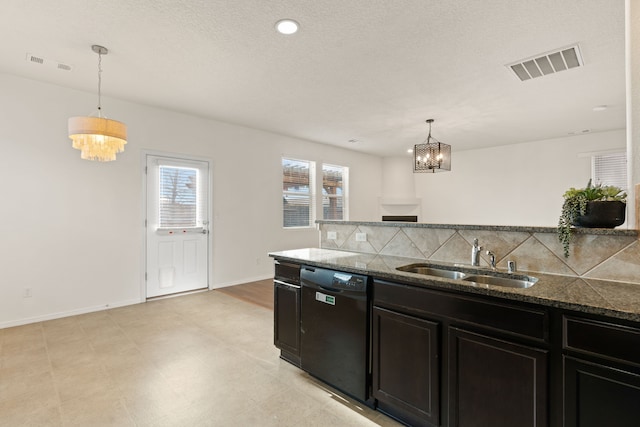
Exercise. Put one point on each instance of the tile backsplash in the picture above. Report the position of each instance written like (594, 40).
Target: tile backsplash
(596, 254)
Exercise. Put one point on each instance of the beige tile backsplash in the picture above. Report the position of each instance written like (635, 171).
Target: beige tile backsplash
(607, 257)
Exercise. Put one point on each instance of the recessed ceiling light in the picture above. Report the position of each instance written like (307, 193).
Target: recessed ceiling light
(287, 26)
(599, 108)
(410, 150)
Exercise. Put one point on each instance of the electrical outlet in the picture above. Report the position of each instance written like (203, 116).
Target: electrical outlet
(332, 235)
(26, 293)
(361, 237)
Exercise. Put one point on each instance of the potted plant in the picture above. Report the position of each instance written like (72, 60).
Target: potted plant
(595, 206)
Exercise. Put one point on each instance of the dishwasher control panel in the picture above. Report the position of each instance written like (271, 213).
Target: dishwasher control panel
(349, 282)
(329, 280)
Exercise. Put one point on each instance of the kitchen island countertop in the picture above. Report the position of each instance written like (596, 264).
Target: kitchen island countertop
(601, 297)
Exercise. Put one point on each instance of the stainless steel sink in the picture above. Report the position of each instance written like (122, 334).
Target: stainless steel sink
(478, 279)
(508, 282)
(432, 271)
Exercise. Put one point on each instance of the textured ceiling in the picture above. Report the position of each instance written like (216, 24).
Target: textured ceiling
(365, 70)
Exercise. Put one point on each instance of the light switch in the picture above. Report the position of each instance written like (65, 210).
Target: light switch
(332, 235)
(361, 237)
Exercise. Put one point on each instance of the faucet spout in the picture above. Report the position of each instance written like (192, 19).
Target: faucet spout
(475, 253)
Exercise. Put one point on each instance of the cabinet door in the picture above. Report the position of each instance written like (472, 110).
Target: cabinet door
(596, 395)
(406, 367)
(495, 383)
(286, 316)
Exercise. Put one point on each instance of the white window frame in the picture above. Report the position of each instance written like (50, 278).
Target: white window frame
(345, 191)
(311, 193)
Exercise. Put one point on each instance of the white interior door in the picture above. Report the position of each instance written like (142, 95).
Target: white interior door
(177, 226)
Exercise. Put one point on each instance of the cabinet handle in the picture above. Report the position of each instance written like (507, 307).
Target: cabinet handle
(286, 284)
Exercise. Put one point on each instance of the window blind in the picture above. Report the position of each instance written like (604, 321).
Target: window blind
(298, 194)
(610, 169)
(179, 202)
(334, 186)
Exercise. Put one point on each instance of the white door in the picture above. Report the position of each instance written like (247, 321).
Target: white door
(177, 242)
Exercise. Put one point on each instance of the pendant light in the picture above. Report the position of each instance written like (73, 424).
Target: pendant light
(98, 138)
(432, 155)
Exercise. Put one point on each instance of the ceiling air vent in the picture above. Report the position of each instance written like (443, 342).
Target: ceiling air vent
(36, 59)
(548, 63)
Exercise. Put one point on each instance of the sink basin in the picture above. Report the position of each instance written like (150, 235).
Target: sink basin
(478, 279)
(432, 271)
(508, 282)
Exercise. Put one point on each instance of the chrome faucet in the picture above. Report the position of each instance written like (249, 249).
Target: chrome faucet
(492, 260)
(475, 253)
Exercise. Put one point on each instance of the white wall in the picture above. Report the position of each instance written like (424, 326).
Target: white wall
(632, 36)
(519, 184)
(72, 229)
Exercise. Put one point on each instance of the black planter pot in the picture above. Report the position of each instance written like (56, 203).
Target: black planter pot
(602, 215)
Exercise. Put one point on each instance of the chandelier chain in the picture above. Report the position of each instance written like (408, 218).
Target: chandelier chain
(99, 84)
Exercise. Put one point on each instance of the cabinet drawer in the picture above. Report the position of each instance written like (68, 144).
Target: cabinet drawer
(287, 272)
(507, 318)
(606, 340)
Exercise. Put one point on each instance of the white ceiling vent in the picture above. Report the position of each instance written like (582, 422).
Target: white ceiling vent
(40, 60)
(548, 63)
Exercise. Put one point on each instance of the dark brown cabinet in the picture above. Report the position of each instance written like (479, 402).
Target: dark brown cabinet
(601, 367)
(443, 357)
(286, 311)
(494, 382)
(597, 395)
(406, 380)
(450, 359)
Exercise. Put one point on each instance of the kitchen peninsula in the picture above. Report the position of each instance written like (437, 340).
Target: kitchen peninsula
(449, 352)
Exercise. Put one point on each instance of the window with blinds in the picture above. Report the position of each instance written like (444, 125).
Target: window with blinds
(334, 192)
(297, 193)
(610, 169)
(178, 197)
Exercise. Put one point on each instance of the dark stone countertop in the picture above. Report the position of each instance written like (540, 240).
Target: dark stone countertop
(601, 297)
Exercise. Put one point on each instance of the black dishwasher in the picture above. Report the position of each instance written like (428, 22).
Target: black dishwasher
(334, 339)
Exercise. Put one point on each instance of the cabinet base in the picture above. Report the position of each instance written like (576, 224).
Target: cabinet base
(291, 358)
(402, 416)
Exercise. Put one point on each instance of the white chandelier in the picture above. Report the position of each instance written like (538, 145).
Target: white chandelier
(98, 138)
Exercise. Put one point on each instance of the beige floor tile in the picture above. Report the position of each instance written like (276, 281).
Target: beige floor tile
(31, 341)
(205, 359)
(72, 355)
(24, 398)
(151, 405)
(41, 417)
(22, 331)
(96, 412)
(25, 362)
(17, 387)
(85, 381)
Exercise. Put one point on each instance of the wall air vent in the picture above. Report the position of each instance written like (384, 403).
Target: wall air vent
(548, 63)
(37, 59)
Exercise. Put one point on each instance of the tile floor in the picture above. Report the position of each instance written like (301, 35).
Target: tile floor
(204, 359)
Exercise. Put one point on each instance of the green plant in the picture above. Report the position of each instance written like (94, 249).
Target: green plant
(575, 205)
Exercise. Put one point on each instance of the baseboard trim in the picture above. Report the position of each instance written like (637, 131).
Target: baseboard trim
(61, 314)
(241, 281)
